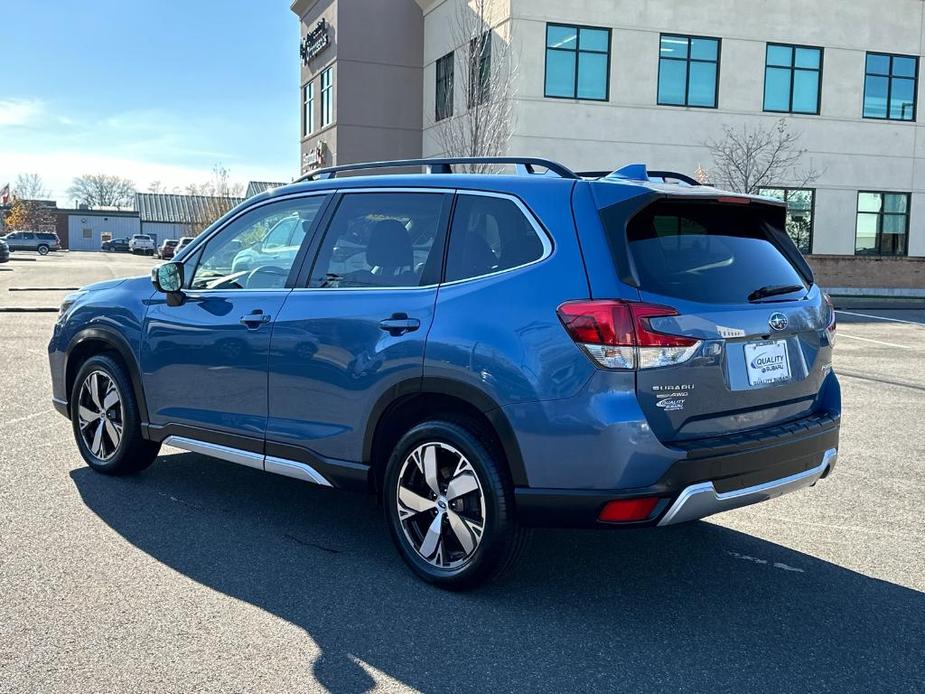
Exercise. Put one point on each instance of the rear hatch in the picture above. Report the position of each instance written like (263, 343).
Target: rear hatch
(740, 291)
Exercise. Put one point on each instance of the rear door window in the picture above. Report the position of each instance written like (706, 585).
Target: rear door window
(490, 234)
(378, 240)
(708, 252)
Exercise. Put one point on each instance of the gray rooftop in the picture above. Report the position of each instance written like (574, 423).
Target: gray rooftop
(182, 209)
(257, 187)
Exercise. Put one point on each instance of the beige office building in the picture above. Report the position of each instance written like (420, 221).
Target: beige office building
(601, 83)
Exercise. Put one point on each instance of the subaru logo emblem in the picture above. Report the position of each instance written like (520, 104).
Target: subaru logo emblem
(778, 321)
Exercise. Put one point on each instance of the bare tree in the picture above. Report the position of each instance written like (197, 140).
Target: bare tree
(749, 158)
(156, 187)
(103, 190)
(30, 186)
(219, 185)
(487, 84)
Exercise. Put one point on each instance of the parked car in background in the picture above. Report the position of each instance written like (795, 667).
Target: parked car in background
(184, 242)
(141, 243)
(115, 245)
(4, 251)
(40, 241)
(167, 249)
(484, 353)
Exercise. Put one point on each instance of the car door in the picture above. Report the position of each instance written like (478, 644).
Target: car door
(204, 362)
(356, 327)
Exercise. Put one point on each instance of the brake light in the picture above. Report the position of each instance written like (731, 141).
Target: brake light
(619, 334)
(830, 326)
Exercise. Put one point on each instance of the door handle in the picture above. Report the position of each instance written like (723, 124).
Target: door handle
(399, 324)
(255, 319)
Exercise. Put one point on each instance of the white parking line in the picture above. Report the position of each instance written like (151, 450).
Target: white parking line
(879, 342)
(891, 320)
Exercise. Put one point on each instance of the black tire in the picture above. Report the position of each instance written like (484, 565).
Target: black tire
(43, 249)
(502, 539)
(133, 453)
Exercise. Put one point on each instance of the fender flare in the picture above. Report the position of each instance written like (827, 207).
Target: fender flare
(432, 385)
(118, 343)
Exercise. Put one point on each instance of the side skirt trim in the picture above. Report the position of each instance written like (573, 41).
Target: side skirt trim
(278, 466)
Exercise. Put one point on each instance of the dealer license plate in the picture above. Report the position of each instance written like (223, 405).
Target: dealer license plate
(767, 362)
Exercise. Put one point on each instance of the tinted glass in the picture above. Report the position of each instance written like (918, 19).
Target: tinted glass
(777, 89)
(562, 37)
(878, 64)
(702, 90)
(674, 47)
(903, 67)
(780, 55)
(866, 240)
(595, 40)
(704, 49)
(489, 235)
(805, 91)
(893, 202)
(256, 251)
(902, 99)
(869, 202)
(706, 252)
(560, 73)
(592, 75)
(380, 240)
(875, 91)
(808, 58)
(672, 82)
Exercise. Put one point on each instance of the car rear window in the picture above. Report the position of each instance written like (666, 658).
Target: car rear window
(709, 252)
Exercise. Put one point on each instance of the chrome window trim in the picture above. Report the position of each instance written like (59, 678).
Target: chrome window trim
(544, 236)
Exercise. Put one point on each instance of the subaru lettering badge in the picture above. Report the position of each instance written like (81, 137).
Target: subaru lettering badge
(778, 321)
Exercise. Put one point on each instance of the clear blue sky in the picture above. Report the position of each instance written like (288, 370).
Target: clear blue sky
(148, 89)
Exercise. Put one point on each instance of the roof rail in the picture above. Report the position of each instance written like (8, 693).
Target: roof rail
(639, 172)
(524, 165)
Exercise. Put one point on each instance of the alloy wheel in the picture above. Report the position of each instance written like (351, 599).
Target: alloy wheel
(99, 415)
(441, 505)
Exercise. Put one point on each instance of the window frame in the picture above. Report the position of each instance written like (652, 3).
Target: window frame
(793, 70)
(889, 87)
(308, 108)
(687, 69)
(327, 96)
(577, 51)
(448, 84)
(191, 259)
(880, 215)
(812, 210)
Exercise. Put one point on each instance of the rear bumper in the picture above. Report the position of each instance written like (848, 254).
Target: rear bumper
(709, 479)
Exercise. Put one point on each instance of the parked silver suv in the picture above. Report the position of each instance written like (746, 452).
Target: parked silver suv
(41, 241)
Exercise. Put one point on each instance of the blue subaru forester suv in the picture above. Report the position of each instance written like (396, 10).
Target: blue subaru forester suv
(484, 352)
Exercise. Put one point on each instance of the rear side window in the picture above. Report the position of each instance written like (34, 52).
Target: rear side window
(708, 252)
(382, 240)
(490, 234)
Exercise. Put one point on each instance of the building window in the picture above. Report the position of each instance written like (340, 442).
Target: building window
(577, 62)
(883, 223)
(327, 97)
(792, 79)
(688, 71)
(480, 69)
(308, 109)
(800, 206)
(445, 69)
(890, 83)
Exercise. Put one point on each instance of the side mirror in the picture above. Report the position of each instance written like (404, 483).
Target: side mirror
(168, 278)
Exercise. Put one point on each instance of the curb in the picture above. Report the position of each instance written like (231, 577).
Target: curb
(42, 289)
(28, 309)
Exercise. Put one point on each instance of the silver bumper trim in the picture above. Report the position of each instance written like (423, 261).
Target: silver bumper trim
(701, 500)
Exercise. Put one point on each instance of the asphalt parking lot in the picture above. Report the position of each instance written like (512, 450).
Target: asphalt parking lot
(199, 575)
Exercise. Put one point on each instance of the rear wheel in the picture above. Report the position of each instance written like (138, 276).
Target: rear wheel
(43, 249)
(105, 419)
(450, 506)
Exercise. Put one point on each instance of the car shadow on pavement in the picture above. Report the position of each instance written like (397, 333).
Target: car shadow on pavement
(694, 608)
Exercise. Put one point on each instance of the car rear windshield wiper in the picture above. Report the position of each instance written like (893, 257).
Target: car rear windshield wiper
(774, 290)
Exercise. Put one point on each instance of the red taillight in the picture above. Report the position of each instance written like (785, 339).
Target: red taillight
(627, 510)
(733, 200)
(618, 323)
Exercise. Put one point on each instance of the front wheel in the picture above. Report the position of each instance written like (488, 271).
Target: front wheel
(106, 421)
(43, 250)
(450, 505)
